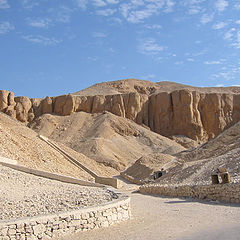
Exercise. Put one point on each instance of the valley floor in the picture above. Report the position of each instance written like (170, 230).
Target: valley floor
(160, 218)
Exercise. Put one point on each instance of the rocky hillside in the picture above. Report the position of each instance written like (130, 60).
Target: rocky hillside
(199, 163)
(108, 139)
(166, 108)
(20, 143)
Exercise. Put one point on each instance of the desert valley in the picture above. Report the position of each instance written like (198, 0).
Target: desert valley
(74, 162)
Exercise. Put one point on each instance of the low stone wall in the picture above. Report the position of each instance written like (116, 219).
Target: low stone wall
(52, 226)
(223, 192)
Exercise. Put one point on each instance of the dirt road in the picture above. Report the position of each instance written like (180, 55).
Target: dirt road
(157, 218)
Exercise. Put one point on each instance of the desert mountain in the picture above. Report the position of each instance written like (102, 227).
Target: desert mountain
(20, 143)
(109, 139)
(166, 108)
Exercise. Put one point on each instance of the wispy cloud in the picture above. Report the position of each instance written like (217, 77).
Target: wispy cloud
(106, 12)
(4, 4)
(237, 22)
(206, 18)
(194, 6)
(99, 35)
(149, 47)
(221, 5)
(229, 34)
(154, 26)
(64, 14)
(82, 4)
(39, 23)
(46, 41)
(237, 6)
(5, 27)
(212, 62)
(29, 4)
(99, 3)
(236, 42)
(219, 25)
(138, 10)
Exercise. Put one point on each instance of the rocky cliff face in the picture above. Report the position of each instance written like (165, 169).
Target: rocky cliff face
(197, 115)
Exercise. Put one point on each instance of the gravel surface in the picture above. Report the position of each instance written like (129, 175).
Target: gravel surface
(164, 218)
(25, 195)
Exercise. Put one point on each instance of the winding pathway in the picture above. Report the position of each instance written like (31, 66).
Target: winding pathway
(160, 218)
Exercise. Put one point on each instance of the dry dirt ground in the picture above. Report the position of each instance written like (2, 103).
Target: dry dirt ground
(158, 218)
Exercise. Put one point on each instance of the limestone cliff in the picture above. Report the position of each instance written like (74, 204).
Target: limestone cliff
(199, 115)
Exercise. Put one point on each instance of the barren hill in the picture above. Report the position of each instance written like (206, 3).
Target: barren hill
(20, 143)
(199, 163)
(109, 139)
(146, 87)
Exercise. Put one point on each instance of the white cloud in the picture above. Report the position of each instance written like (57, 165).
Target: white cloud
(106, 12)
(82, 4)
(4, 4)
(237, 6)
(206, 18)
(190, 60)
(64, 14)
(99, 35)
(194, 10)
(219, 25)
(99, 3)
(138, 10)
(179, 63)
(154, 26)
(29, 4)
(221, 5)
(237, 22)
(149, 47)
(5, 27)
(212, 62)
(236, 42)
(229, 34)
(220, 85)
(112, 1)
(41, 40)
(39, 23)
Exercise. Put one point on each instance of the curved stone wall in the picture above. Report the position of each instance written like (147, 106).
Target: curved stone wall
(49, 226)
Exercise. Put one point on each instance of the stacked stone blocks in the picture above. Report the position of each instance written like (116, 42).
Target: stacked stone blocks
(222, 192)
(52, 226)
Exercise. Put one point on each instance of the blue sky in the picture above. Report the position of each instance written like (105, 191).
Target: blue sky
(50, 47)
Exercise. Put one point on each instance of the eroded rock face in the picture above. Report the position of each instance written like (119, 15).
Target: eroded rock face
(199, 116)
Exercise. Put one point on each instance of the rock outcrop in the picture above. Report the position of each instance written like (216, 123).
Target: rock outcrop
(199, 115)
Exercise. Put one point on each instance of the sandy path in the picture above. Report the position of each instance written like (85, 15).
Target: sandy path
(172, 218)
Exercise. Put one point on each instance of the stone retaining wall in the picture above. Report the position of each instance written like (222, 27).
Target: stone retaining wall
(222, 192)
(52, 226)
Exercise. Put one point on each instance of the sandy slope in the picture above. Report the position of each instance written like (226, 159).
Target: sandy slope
(22, 144)
(107, 138)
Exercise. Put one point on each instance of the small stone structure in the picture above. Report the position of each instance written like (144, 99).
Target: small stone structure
(49, 226)
(222, 192)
